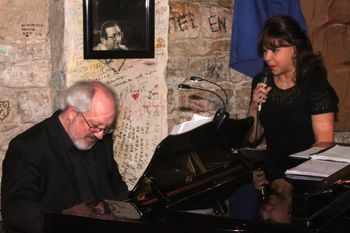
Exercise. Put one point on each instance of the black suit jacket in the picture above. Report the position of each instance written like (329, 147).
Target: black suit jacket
(38, 175)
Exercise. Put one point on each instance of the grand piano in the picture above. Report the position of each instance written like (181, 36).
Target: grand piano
(189, 179)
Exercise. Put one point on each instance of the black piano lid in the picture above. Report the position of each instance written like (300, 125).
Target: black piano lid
(185, 163)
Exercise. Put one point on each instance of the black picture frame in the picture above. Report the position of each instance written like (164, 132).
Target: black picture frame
(118, 29)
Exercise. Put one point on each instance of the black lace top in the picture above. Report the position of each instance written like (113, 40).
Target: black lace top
(286, 116)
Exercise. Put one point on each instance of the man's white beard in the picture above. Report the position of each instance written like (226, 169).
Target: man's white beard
(82, 145)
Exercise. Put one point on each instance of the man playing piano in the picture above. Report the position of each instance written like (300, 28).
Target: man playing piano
(63, 161)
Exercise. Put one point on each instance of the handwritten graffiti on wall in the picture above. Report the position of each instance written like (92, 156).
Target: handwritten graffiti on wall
(4, 109)
(185, 22)
(182, 22)
(31, 29)
(214, 69)
(141, 105)
(217, 23)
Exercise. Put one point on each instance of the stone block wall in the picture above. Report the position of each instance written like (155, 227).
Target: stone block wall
(25, 67)
(199, 45)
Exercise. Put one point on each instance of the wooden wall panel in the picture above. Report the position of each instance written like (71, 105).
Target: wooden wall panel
(329, 28)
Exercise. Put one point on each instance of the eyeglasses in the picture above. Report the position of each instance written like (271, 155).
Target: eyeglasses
(95, 129)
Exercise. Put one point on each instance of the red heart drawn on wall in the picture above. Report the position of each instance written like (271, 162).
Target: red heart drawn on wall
(135, 96)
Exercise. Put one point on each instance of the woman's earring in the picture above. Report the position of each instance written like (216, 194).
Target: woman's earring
(294, 56)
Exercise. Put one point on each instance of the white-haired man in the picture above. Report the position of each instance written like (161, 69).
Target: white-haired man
(63, 161)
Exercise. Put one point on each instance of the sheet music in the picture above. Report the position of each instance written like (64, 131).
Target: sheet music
(316, 168)
(197, 120)
(306, 154)
(336, 153)
(304, 177)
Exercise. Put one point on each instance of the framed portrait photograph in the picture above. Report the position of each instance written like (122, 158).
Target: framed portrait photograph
(118, 29)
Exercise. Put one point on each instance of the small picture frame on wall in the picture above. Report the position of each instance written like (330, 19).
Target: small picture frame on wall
(118, 29)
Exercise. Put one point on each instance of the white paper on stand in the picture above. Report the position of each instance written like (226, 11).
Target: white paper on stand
(336, 153)
(197, 120)
(315, 168)
(306, 154)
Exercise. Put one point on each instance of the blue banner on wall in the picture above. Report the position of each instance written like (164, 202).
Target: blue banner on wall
(248, 19)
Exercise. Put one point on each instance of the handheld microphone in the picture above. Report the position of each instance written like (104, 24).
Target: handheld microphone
(264, 192)
(264, 80)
